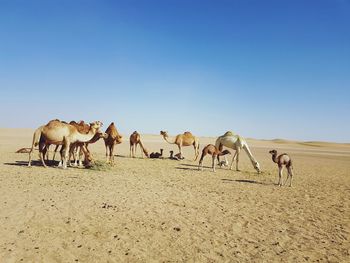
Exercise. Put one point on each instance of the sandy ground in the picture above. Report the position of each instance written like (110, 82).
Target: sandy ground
(146, 210)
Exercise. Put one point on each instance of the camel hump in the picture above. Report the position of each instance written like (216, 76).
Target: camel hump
(187, 133)
(229, 133)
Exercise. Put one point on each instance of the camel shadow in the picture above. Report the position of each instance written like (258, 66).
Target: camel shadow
(190, 167)
(33, 163)
(225, 180)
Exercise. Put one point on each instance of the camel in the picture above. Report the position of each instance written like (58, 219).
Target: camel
(135, 139)
(61, 133)
(78, 147)
(282, 160)
(156, 155)
(185, 139)
(82, 147)
(113, 138)
(214, 152)
(237, 143)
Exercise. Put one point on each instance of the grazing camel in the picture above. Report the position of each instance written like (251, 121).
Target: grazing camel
(135, 139)
(79, 147)
(214, 152)
(237, 143)
(155, 155)
(283, 160)
(61, 133)
(185, 139)
(113, 138)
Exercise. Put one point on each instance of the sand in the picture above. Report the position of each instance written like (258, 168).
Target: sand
(144, 210)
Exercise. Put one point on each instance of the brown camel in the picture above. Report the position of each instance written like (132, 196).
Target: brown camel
(156, 155)
(283, 160)
(214, 152)
(112, 138)
(61, 133)
(185, 139)
(135, 139)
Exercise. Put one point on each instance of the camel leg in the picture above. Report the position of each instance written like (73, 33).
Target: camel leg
(233, 159)
(47, 150)
(130, 151)
(81, 153)
(195, 152)
(213, 163)
(111, 154)
(200, 165)
(65, 153)
(54, 154)
(237, 158)
(180, 150)
(42, 152)
(280, 172)
(290, 174)
(30, 157)
(107, 159)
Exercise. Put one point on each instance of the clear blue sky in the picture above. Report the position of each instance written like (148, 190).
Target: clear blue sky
(264, 69)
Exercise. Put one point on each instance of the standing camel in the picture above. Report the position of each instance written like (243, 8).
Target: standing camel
(283, 160)
(185, 139)
(112, 138)
(214, 152)
(61, 133)
(135, 139)
(236, 143)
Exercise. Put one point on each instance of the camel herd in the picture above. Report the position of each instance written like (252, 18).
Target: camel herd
(74, 139)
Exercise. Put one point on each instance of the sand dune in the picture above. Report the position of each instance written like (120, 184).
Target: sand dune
(144, 210)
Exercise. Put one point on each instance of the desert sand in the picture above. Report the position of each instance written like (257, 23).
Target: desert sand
(144, 210)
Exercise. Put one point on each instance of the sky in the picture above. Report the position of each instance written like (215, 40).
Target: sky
(263, 69)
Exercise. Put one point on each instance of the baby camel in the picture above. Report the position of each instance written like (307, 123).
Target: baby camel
(282, 160)
(155, 155)
(214, 152)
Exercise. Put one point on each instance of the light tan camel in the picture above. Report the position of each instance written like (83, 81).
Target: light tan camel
(185, 139)
(61, 133)
(283, 160)
(135, 139)
(237, 143)
(113, 138)
(80, 148)
(214, 152)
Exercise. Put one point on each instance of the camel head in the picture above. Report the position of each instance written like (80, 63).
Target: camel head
(273, 152)
(96, 125)
(257, 167)
(229, 133)
(118, 139)
(164, 133)
(102, 135)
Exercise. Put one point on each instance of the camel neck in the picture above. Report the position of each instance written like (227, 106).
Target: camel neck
(274, 157)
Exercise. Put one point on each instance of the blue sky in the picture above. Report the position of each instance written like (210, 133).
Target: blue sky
(264, 69)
